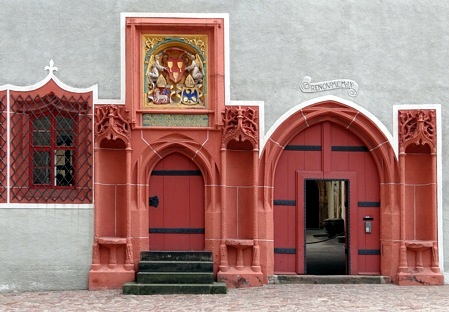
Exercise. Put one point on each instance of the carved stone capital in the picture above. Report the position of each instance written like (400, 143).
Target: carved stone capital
(240, 124)
(111, 123)
(417, 127)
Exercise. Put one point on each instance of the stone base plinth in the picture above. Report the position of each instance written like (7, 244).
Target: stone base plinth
(420, 278)
(109, 279)
(240, 278)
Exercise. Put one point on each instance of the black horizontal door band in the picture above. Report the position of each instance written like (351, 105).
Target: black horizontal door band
(288, 251)
(350, 149)
(302, 148)
(368, 204)
(369, 252)
(284, 202)
(183, 173)
(176, 231)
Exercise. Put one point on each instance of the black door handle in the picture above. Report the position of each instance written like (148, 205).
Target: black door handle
(154, 201)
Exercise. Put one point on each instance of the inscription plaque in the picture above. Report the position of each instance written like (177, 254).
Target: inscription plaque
(308, 87)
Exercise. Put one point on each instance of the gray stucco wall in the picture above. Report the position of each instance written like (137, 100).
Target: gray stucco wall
(396, 50)
(45, 248)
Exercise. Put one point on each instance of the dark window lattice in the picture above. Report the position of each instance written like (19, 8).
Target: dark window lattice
(51, 149)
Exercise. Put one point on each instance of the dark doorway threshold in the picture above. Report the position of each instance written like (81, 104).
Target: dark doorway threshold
(329, 279)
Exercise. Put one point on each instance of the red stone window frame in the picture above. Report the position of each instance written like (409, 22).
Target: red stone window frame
(3, 148)
(43, 124)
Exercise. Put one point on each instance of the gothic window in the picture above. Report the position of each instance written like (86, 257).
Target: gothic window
(51, 149)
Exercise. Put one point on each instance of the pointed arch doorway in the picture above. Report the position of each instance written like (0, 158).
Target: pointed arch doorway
(176, 212)
(326, 151)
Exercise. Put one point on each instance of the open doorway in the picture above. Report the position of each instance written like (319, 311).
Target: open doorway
(326, 223)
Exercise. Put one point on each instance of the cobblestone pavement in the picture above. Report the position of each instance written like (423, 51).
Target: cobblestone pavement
(293, 297)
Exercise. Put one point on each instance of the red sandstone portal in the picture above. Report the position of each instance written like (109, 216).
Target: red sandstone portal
(233, 194)
(407, 222)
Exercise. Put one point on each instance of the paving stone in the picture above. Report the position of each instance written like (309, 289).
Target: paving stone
(280, 297)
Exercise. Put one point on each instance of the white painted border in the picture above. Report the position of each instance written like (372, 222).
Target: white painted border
(46, 206)
(300, 106)
(440, 214)
(59, 83)
(8, 146)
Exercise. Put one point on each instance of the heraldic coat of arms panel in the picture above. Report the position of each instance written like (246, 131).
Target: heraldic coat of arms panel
(175, 71)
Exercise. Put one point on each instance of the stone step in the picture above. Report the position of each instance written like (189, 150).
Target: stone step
(176, 256)
(174, 278)
(329, 279)
(176, 266)
(132, 288)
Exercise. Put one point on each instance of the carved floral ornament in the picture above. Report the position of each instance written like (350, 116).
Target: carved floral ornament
(175, 71)
(111, 123)
(240, 124)
(418, 127)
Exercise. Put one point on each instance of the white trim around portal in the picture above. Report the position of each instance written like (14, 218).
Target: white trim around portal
(300, 106)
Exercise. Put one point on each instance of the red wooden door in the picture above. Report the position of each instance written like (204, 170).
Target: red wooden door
(348, 153)
(177, 223)
(304, 152)
(326, 151)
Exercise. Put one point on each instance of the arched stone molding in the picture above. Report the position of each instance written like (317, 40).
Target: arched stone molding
(178, 144)
(375, 137)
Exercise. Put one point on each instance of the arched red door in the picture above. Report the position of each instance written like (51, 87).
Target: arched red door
(326, 151)
(176, 212)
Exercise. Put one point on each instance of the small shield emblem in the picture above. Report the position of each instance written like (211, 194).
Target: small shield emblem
(189, 96)
(175, 68)
(161, 95)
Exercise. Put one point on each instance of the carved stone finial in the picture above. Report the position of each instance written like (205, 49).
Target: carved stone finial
(111, 123)
(51, 68)
(418, 127)
(240, 124)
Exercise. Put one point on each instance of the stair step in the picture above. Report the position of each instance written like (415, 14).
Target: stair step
(175, 272)
(176, 256)
(176, 266)
(175, 278)
(132, 288)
